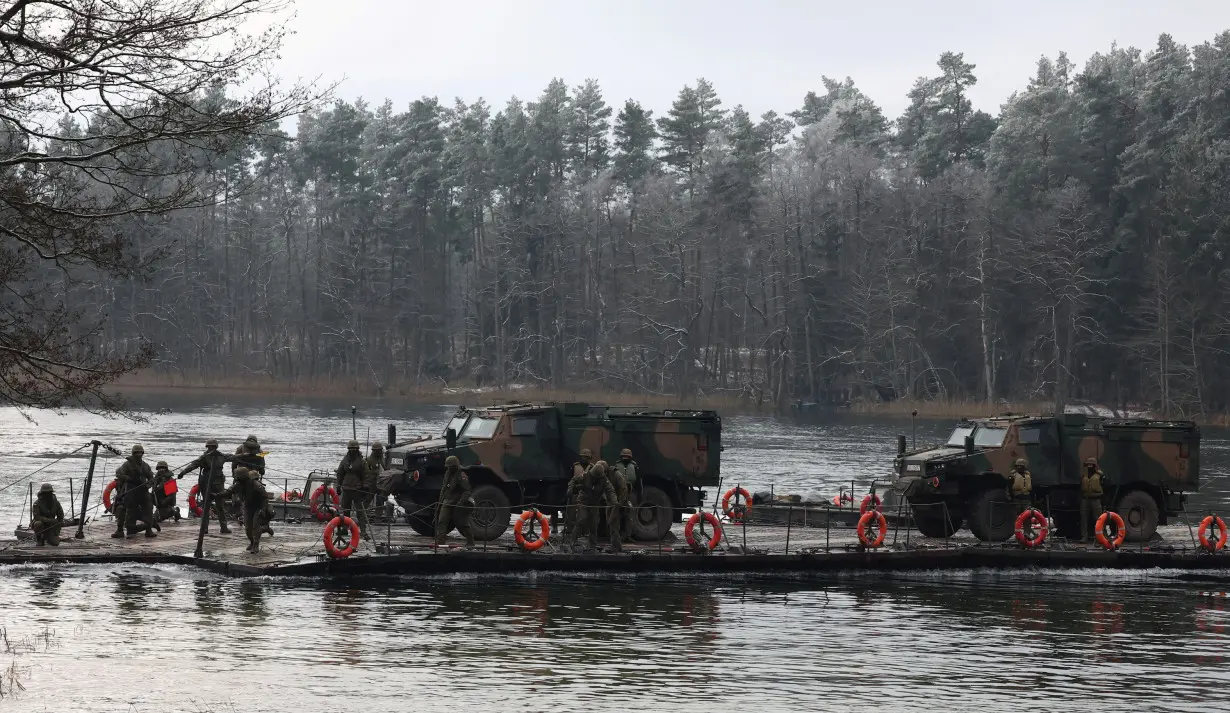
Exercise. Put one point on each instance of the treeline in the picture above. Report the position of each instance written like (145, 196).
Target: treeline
(1074, 246)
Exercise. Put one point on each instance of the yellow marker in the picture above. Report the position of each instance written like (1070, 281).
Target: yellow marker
(262, 454)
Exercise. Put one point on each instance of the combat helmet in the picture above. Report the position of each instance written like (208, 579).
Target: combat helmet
(162, 464)
(377, 446)
(46, 488)
(586, 453)
(626, 453)
(452, 462)
(1091, 461)
(138, 450)
(242, 473)
(1020, 463)
(211, 443)
(353, 445)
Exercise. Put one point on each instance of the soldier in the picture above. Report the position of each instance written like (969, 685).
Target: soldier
(255, 500)
(117, 503)
(351, 475)
(583, 462)
(374, 467)
(211, 477)
(454, 503)
(164, 504)
(615, 505)
(626, 467)
(249, 456)
(136, 479)
(1020, 486)
(1091, 496)
(587, 491)
(46, 517)
(579, 469)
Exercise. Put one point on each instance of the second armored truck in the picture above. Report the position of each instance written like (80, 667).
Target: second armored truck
(521, 455)
(1148, 466)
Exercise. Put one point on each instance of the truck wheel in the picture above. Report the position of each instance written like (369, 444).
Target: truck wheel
(991, 516)
(489, 519)
(1140, 514)
(933, 520)
(420, 518)
(651, 514)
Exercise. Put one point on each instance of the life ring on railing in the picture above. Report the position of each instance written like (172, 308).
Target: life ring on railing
(843, 499)
(737, 512)
(544, 534)
(689, 533)
(870, 501)
(332, 537)
(1120, 530)
(292, 496)
(1040, 528)
(194, 501)
(323, 513)
(1212, 546)
(107, 494)
(881, 525)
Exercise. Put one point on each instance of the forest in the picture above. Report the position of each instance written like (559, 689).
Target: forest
(1073, 246)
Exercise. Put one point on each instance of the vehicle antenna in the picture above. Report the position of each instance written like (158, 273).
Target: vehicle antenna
(369, 440)
(354, 428)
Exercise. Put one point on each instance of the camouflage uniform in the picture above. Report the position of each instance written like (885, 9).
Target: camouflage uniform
(117, 504)
(135, 480)
(255, 501)
(586, 494)
(1020, 486)
(351, 476)
(1091, 497)
(249, 456)
(164, 505)
(211, 478)
(374, 467)
(579, 469)
(626, 468)
(46, 517)
(454, 506)
(615, 505)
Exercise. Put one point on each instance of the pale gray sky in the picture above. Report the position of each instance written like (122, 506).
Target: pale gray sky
(765, 54)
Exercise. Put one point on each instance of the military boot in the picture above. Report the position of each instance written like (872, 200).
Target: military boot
(119, 529)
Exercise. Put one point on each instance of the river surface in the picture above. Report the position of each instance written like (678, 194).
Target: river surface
(146, 638)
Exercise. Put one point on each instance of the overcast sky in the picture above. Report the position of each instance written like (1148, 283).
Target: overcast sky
(764, 54)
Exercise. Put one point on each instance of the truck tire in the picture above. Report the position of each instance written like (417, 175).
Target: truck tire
(490, 516)
(651, 514)
(991, 516)
(1140, 514)
(933, 520)
(420, 518)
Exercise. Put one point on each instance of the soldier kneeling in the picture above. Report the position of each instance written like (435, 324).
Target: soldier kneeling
(46, 516)
(164, 502)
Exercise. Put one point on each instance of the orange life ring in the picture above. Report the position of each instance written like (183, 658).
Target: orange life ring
(737, 512)
(194, 501)
(1040, 528)
(107, 494)
(690, 535)
(1120, 530)
(331, 529)
(1212, 545)
(881, 524)
(324, 513)
(870, 501)
(544, 526)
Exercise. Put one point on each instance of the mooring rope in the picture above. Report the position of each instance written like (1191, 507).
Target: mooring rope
(36, 472)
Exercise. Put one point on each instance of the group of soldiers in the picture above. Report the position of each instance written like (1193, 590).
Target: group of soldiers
(357, 478)
(1020, 490)
(597, 492)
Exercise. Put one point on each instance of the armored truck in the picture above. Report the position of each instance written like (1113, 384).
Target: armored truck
(1148, 467)
(521, 455)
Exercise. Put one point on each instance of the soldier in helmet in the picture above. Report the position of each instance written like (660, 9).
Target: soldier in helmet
(626, 468)
(374, 463)
(213, 479)
(46, 517)
(1020, 486)
(248, 488)
(135, 480)
(589, 495)
(164, 502)
(455, 503)
(351, 475)
(579, 469)
(1091, 496)
(249, 455)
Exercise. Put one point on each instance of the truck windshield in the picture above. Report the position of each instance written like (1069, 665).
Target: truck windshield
(479, 427)
(957, 439)
(990, 437)
(457, 423)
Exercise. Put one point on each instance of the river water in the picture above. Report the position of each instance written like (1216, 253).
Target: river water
(146, 638)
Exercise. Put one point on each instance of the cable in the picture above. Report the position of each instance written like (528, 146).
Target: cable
(57, 460)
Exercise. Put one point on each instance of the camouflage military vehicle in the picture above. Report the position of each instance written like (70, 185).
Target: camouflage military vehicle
(1148, 466)
(518, 455)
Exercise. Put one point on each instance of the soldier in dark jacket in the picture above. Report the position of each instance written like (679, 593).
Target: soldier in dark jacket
(375, 466)
(164, 504)
(46, 517)
(588, 494)
(249, 456)
(351, 476)
(615, 506)
(255, 499)
(455, 503)
(135, 480)
(212, 477)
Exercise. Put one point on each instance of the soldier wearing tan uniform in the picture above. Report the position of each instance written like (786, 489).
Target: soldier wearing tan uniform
(1091, 496)
(1020, 486)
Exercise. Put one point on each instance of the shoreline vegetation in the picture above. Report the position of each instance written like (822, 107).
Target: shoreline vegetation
(473, 395)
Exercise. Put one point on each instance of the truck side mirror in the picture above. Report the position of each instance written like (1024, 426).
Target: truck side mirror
(969, 444)
(450, 438)
(901, 444)
(392, 435)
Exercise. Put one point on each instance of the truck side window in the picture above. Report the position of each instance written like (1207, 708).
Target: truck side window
(1031, 436)
(525, 426)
